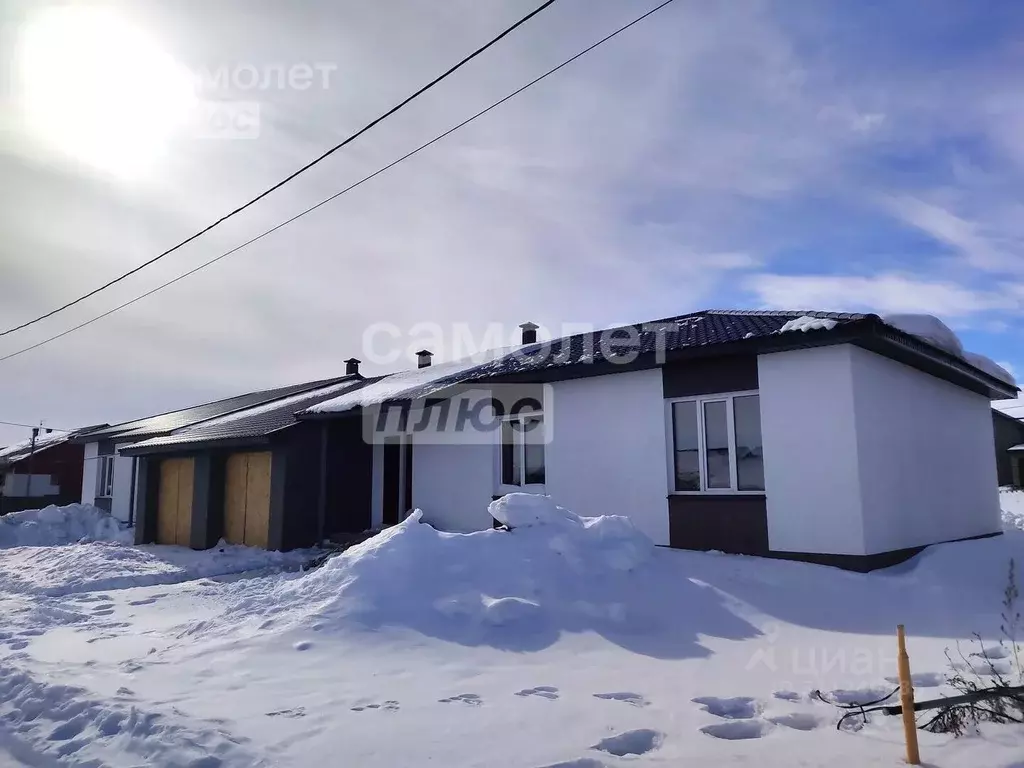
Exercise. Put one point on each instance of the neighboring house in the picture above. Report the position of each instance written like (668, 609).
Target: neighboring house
(256, 476)
(832, 438)
(1008, 425)
(110, 481)
(36, 475)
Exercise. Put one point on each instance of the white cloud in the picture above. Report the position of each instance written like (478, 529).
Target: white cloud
(889, 292)
(966, 237)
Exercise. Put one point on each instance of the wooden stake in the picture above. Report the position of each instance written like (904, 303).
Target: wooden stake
(907, 699)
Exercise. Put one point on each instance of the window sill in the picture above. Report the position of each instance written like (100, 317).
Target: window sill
(725, 492)
(504, 489)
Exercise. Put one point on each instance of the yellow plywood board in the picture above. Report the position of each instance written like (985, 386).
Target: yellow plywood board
(186, 484)
(167, 507)
(234, 498)
(247, 499)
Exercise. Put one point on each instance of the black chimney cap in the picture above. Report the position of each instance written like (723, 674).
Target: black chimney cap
(352, 366)
(529, 332)
(423, 358)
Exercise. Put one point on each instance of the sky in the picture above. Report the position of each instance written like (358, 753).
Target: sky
(745, 154)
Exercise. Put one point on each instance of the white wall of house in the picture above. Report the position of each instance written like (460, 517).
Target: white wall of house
(454, 481)
(89, 470)
(808, 426)
(924, 447)
(121, 499)
(607, 454)
(120, 506)
(453, 484)
(18, 485)
(863, 454)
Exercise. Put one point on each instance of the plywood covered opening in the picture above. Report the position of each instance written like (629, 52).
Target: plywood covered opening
(247, 499)
(174, 509)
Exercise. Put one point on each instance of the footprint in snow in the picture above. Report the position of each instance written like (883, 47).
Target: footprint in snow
(544, 691)
(736, 730)
(737, 708)
(470, 699)
(635, 699)
(289, 713)
(638, 742)
(787, 695)
(798, 721)
(857, 695)
(922, 679)
(387, 706)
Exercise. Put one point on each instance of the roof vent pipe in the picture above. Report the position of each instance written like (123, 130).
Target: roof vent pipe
(352, 367)
(423, 358)
(529, 332)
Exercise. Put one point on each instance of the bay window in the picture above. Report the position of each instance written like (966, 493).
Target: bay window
(716, 444)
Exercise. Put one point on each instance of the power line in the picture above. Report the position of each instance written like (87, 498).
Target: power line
(32, 426)
(336, 195)
(290, 177)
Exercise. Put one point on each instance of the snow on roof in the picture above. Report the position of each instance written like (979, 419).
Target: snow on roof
(929, 328)
(807, 323)
(417, 383)
(990, 366)
(18, 451)
(1016, 447)
(1012, 408)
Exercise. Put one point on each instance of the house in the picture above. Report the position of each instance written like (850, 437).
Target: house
(836, 438)
(43, 470)
(255, 476)
(1008, 425)
(110, 481)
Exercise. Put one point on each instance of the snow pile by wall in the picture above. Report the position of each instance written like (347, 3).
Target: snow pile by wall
(522, 510)
(990, 366)
(558, 571)
(53, 526)
(806, 323)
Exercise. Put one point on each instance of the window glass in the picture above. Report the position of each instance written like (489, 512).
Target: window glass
(510, 444)
(533, 450)
(716, 444)
(106, 477)
(687, 446)
(749, 452)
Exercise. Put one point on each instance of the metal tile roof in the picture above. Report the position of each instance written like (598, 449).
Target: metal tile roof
(166, 423)
(697, 329)
(251, 423)
(16, 452)
(672, 334)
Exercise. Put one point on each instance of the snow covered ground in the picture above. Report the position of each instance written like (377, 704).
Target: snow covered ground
(567, 642)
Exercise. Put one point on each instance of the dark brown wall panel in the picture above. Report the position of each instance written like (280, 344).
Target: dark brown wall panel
(736, 524)
(710, 375)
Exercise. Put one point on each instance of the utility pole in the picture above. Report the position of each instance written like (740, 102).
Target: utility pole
(31, 456)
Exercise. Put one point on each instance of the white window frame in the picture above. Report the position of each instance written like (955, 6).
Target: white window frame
(498, 468)
(102, 462)
(730, 410)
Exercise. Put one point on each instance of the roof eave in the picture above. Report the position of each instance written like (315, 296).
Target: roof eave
(198, 446)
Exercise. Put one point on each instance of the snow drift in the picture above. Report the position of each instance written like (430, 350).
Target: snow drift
(53, 526)
(106, 565)
(518, 588)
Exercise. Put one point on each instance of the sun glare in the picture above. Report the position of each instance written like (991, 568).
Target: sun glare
(98, 89)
